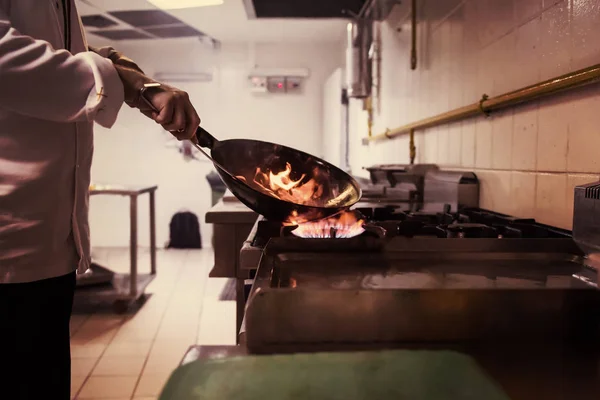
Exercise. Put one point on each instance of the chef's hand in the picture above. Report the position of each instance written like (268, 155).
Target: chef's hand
(170, 106)
(174, 111)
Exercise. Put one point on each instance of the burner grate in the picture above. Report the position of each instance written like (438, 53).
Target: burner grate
(389, 222)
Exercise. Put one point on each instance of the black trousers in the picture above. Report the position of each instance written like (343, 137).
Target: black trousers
(35, 354)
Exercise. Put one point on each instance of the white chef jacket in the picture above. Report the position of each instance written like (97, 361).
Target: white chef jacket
(49, 100)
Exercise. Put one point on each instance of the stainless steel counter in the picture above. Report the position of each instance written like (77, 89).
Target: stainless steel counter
(232, 222)
(230, 210)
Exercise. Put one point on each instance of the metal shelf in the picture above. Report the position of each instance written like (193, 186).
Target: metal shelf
(122, 289)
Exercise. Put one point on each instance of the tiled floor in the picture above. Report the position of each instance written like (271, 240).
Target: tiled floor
(131, 356)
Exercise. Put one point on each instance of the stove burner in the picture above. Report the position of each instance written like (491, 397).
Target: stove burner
(470, 230)
(388, 213)
(376, 230)
(345, 225)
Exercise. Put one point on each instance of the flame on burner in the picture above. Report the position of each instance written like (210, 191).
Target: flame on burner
(344, 225)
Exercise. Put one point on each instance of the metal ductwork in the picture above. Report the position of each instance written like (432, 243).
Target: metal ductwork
(302, 9)
(359, 66)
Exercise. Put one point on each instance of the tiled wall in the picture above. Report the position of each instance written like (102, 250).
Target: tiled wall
(528, 158)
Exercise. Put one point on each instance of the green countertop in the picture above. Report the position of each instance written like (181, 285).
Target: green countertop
(400, 374)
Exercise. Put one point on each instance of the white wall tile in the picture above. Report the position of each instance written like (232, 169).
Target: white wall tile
(495, 190)
(497, 18)
(483, 143)
(470, 84)
(525, 10)
(585, 26)
(457, 31)
(468, 144)
(420, 143)
(546, 4)
(472, 24)
(551, 199)
(556, 41)
(454, 144)
(524, 143)
(430, 145)
(552, 135)
(502, 129)
(527, 53)
(522, 194)
(443, 145)
(504, 68)
(584, 132)
(485, 70)
(446, 44)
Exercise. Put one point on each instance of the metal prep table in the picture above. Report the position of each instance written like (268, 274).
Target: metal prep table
(124, 289)
(232, 222)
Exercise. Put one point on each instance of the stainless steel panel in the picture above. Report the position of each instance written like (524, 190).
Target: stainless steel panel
(457, 188)
(228, 241)
(413, 291)
(586, 217)
(358, 62)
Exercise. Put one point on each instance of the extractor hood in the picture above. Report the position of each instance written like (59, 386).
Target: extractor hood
(302, 8)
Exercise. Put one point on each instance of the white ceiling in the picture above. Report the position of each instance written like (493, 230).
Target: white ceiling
(229, 22)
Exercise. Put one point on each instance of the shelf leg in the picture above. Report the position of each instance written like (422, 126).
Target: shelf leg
(240, 300)
(133, 245)
(152, 233)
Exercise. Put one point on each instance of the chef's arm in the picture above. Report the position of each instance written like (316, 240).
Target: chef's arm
(132, 76)
(168, 106)
(38, 81)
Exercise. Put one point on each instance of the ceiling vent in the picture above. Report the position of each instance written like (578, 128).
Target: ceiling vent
(122, 34)
(173, 31)
(141, 24)
(145, 18)
(318, 9)
(97, 21)
(305, 8)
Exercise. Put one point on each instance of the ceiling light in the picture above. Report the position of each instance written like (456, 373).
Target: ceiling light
(177, 4)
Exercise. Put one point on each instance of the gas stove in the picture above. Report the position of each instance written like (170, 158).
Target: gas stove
(417, 276)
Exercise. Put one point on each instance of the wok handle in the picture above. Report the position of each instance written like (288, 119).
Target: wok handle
(205, 139)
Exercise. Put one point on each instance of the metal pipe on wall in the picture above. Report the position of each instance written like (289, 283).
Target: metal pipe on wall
(359, 75)
(413, 50)
(346, 131)
(411, 147)
(368, 106)
(487, 104)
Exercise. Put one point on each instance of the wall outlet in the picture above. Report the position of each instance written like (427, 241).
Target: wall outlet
(293, 84)
(276, 84)
(258, 84)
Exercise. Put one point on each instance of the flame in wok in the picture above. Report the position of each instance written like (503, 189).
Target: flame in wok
(309, 192)
(282, 186)
(345, 225)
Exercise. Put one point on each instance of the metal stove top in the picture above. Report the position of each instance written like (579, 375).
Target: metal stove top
(386, 222)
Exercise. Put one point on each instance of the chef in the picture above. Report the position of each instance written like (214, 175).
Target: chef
(52, 90)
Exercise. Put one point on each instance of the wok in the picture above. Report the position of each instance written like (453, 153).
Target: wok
(237, 160)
